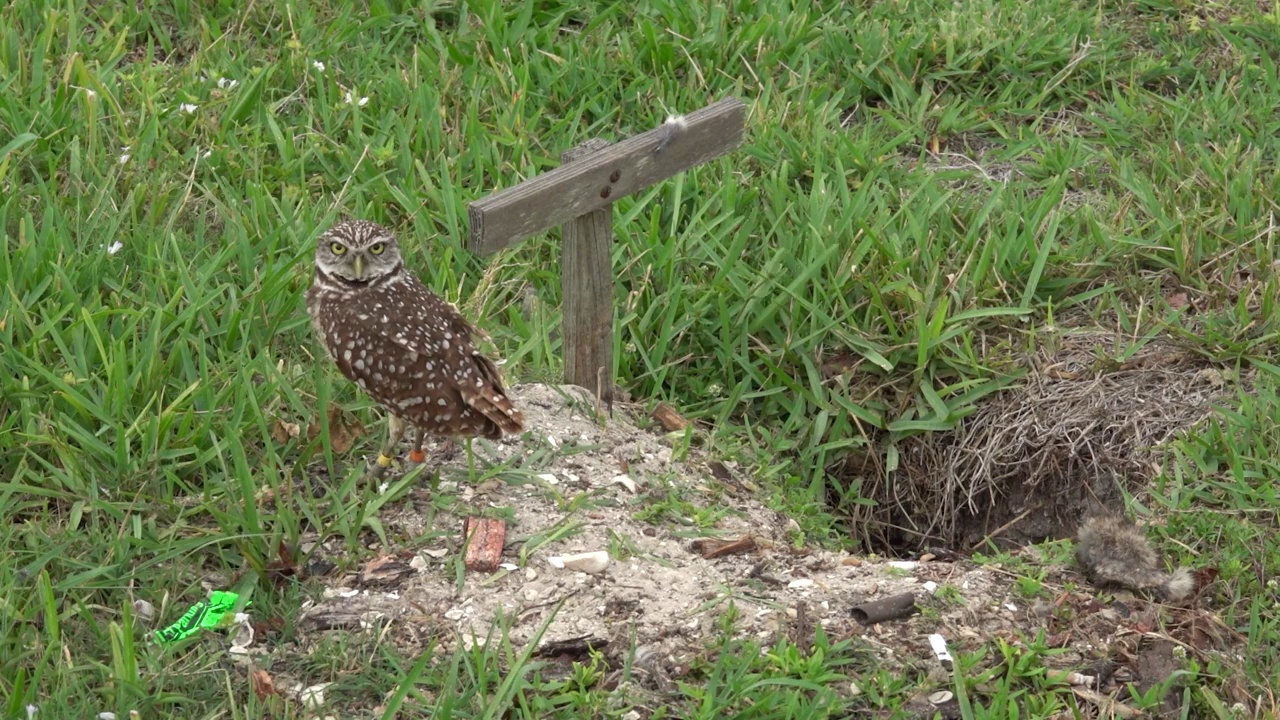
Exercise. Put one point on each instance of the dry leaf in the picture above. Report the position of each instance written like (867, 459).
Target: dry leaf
(1177, 300)
(263, 685)
(284, 566)
(344, 429)
(281, 431)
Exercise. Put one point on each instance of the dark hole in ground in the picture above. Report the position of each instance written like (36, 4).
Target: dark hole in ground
(1089, 418)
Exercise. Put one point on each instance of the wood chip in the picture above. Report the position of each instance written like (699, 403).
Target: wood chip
(484, 539)
(712, 549)
(386, 570)
(668, 418)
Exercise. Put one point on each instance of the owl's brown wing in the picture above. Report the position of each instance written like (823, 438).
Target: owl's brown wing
(440, 340)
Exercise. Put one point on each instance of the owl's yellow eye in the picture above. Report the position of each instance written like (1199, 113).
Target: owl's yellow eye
(337, 248)
(377, 248)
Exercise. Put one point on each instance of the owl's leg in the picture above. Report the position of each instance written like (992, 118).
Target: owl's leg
(395, 433)
(471, 463)
(416, 455)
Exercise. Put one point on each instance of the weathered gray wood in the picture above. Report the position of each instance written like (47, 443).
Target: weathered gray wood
(586, 278)
(578, 188)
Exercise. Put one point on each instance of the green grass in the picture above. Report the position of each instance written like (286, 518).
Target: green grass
(1126, 147)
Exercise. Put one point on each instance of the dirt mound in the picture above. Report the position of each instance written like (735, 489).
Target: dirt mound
(566, 486)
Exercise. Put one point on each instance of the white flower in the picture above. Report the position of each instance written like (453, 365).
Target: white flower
(90, 93)
(227, 83)
(352, 101)
(319, 66)
(188, 108)
(115, 247)
(206, 154)
(124, 154)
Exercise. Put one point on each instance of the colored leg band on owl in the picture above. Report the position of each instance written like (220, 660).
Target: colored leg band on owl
(417, 456)
(383, 460)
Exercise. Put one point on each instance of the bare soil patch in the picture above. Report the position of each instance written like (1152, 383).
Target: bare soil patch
(661, 601)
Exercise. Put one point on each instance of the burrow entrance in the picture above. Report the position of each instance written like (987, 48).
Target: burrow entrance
(1068, 439)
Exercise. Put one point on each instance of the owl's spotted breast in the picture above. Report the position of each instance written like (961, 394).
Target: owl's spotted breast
(413, 353)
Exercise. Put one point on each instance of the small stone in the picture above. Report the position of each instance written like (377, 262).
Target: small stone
(589, 562)
(313, 697)
(800, 583)
(454, 613)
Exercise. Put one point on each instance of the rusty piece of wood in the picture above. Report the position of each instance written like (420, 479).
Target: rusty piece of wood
(483, 539)
(578, 188)
(586, 276)
(668, 418)
(890, 608)
(712, 549)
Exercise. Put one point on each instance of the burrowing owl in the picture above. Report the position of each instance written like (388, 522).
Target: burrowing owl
(402, 344)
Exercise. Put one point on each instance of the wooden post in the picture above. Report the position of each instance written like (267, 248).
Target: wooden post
(586, 279)
(579, 196)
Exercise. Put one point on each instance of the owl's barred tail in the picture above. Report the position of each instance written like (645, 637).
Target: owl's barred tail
(491, 399)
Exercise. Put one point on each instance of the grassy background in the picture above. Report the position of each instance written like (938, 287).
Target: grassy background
(1089, 156)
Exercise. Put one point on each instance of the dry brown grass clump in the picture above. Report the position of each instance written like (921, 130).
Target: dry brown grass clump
(1032, 458)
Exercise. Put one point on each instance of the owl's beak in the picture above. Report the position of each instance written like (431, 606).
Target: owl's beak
(358, 265)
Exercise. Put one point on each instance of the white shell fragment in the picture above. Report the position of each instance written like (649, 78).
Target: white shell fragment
(939, 645)
(244, 635)
(144, 611)
(313, 697)
(626, 482)
(589, 562)
(1075, 678)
